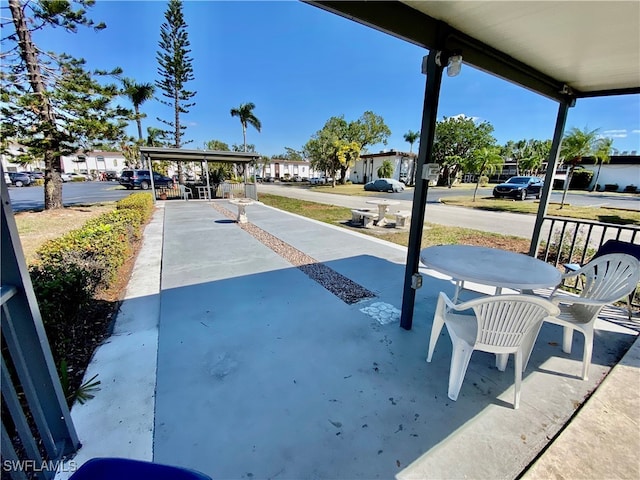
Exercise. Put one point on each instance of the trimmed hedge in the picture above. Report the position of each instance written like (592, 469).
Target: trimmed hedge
(70, 270)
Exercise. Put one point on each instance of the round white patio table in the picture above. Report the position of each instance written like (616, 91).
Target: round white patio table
(490, 266)
(242, 203)
(383, 208)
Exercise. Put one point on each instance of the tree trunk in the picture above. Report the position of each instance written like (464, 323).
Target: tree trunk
(45, 113)
(595, 182)
(244, 136)
(139, 123)
(566, 186)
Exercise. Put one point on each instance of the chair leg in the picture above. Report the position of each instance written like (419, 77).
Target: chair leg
(518, 379)
(459, 362)
(438, 322)
(567, 339)
(501, 361)
(588, 351)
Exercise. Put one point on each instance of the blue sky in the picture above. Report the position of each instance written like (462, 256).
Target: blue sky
(301, 65)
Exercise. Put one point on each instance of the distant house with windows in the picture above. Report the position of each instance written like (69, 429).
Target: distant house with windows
(281, 168)
(92, 163)
(366, 167)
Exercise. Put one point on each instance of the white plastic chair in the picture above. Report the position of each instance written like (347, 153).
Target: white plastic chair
(185, 192)
(501, 324)
(606, 279)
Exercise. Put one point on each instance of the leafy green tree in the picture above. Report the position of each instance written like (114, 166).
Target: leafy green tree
(603, 155)
(291, 154)
(175, 70)
(412, 137)
(322, 148)
(576, 145)
(369, 129)
(385, 170)
(250, 147)
(245, 113)
(457, 139)
(484, 161)
(217, 145)
(138, 93)
(50, 103)
(338, 145)
(528, 154)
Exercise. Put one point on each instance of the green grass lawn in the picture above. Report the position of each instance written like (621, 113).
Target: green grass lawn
(432, 235)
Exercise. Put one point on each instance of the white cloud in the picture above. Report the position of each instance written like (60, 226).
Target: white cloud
(635, 131)
(615, 133)
(463, 116)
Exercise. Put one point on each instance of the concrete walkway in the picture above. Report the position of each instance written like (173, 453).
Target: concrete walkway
(264, 373)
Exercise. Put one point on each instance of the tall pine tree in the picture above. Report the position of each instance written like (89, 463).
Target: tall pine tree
(175, 71)
(50, 103)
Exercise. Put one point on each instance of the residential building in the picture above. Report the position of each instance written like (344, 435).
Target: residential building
(281, 168)
(366, 167)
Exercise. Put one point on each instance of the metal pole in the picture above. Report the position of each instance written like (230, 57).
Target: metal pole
(429, 117)
(563, 110)
(206, 166)
(153, 185)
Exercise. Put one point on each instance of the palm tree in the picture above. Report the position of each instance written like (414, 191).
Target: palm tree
(155, 137)
(138, 93)
(485, 160)
(576, 145)
(603, 155)
(245, 113)
(412, 137)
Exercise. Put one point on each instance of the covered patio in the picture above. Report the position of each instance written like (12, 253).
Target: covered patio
(248, 366)
(204, 157)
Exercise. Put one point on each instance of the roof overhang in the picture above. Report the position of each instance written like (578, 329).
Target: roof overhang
(182, 155)
(557, 49)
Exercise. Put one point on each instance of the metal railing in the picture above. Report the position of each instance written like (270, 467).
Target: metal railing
(571, 240)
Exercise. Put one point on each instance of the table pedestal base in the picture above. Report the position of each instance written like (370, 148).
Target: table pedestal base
(242, 214)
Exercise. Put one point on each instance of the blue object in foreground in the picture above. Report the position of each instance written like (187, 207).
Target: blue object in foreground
(127, 469)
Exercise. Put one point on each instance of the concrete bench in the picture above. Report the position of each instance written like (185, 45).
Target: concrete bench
(363, 217)
(401, 218)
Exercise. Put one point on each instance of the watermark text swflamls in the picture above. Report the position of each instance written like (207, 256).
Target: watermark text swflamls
(34, 466)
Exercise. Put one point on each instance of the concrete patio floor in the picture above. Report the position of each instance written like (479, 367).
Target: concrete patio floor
(228, 359)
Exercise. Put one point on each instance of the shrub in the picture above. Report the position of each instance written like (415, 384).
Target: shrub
(581, 179)
(631, 189)
(69, 270)
(611, 187)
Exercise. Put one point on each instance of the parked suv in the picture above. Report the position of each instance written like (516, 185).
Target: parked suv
(141, 179)
(19, 179)
(519, 188)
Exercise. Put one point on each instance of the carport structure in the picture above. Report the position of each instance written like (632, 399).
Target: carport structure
(564, 51)
(167, 154)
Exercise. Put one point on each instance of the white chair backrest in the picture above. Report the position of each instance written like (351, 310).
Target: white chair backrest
(610, 277)
(504, 320)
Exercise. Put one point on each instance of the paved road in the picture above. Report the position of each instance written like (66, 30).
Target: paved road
(73, 193)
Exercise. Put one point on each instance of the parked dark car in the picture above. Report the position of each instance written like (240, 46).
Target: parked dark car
(35, 175)
(111, 176)
(19, 179)
(384, 185)
(519, 188)
(141, 179)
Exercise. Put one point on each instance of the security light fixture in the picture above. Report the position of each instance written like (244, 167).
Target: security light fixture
(453, 59)
(454, 65)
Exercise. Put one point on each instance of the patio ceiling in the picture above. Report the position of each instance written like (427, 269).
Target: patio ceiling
(182, 155)
(591, 47)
